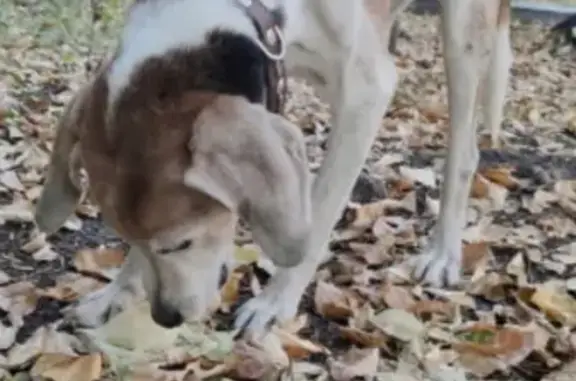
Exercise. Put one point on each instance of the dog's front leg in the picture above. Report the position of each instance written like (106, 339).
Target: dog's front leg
(351, 71)
(98, 307)
(475, 38)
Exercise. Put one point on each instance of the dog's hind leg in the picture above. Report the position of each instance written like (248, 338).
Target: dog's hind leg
(60, 194)
(470, 33)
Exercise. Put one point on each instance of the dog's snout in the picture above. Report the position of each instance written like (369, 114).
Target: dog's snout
(166, 315)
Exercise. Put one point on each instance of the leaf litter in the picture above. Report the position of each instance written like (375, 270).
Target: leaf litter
(363, 317)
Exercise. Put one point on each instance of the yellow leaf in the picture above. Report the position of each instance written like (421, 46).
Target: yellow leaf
(230, 291)
(556, 304)
(246, 254)
(97, 260)
(61, 367)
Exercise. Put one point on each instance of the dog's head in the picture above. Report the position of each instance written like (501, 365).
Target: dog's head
(245, 160)
(172, 181)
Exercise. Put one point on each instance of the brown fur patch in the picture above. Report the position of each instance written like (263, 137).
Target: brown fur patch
(136, 172)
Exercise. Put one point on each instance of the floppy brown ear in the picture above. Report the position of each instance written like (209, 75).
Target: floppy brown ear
(253, 161)
(60, 195)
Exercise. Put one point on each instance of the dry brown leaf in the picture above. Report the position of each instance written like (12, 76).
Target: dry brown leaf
(296, 347)
(485, 348)
(71, 286)
(473, 254)
(501, 176)
(361, 217)
(259, 360)
(479, 187)
(489, 340)
(45, 340)
(98, 260)
(433, 307)
(399, 188)
(397, 297)
(492, 286)
(364, 338)
(332, 302)
(566, 191)
(21, 297)
(355, 364)
(61, 367)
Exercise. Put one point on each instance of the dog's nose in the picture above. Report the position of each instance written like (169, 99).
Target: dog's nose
(166, 316)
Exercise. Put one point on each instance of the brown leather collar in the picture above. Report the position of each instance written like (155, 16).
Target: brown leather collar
(267, 27)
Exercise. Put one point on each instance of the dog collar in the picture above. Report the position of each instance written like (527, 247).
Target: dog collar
(271, 42)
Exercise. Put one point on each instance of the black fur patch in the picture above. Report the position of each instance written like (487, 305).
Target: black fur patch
(228, 63)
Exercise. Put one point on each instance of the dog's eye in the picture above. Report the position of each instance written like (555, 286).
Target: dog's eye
(186, 244)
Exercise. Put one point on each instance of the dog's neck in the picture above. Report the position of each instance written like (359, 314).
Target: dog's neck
(155, 27)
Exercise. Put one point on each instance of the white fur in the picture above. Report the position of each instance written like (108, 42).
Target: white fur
(335, 45)
(154, 28)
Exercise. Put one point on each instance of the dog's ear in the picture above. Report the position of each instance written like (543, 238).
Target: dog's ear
(60, 194)
(254, 162)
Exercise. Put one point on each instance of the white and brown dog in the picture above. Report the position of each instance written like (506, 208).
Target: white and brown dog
(177, 143)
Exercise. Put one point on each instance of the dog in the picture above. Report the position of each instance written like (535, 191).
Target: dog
(179, 141)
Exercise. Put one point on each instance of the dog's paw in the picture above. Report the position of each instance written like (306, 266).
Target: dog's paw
(96, 308)
(276, 303)
(439, 266)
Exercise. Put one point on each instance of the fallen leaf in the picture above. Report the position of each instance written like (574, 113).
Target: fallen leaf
(259, 360)
(501, 176)
(425, 176)
(296, 347)
(246, 254)
(19, 211)
(399, 323)
(361, 217)
(432, 307)
(566, 191)
(479, 188)
(61, 367)
(134, 329)
(556, 304)
(45, 254)
(355, 364)
(46, 339)
(98, 260)
(332, 302)
(494, 347)
(230, 291)
(19, 298)
(473, 254)
(70, 287)
(363, 338)
(397, 297)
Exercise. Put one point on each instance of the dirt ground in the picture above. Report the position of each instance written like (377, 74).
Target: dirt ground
(362, 318)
